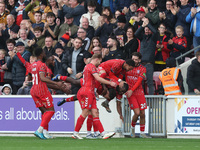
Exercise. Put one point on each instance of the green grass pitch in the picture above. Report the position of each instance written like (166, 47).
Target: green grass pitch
(33, 143)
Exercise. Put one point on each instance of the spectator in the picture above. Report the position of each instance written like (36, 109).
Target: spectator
(38, 20)
(64, 40)
(162, 52)
(120, 32)
(136, 21)
(117, 13)
(54, 7)
(6, 90)
(181, 20)
(172, 79)
(25, 89)
(89, 29)
(152, 13)
(18, 10)
(91, 15)
(3, 13)
(193, 73)
(10, 24)
(73, 62)
(86, 41)
(132, 10)
(98, 6)
(67, 26)
(76, 10)
(50, 25)
(13, 33)
(39, 39)
(58, 57)
(18, 69)
(2, 62)
(113, 52)
(8, 75)
(178, 44)
(194, 18)
(104, 30)
(11, 5)
(94, 43)
(48, 48)
(147, 36)
(108, 4)
(23, 37)
(169, 16)
(131, 44)
(106, 11)
(35, 6)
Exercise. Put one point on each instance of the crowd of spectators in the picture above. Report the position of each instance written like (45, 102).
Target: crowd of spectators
(71, 31)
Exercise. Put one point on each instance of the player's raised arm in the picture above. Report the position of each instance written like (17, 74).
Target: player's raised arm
(102, 80)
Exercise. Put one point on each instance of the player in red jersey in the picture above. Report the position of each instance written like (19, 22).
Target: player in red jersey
(40, 93)
(135, 94)
(115, 69)
(87, 99)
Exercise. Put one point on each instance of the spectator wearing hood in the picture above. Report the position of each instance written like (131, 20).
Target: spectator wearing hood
(6, 89)
(193, 74)
(172, 79)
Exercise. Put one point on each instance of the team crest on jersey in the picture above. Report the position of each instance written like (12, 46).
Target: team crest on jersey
(138, 71)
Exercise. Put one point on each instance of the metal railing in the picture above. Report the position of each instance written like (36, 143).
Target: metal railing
(185, 54)
(156, 114)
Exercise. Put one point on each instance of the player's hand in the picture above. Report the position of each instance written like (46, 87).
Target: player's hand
(170, 42)
(113, 84)
(129, 93)
(122, 118)
(78, 75)
(196, 91)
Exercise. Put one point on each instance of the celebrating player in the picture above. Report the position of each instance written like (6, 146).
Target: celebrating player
(40, 93)
(87, 99)
(135, 94)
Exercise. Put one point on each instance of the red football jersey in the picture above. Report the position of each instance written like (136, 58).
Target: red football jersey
(132, 77)
(39, 87)
(114, 66)
(88, 78)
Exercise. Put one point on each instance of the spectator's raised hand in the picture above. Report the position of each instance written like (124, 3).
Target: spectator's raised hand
(20, 8)
(170, 41)
(125, 10)
(145, 22)
(193, 11)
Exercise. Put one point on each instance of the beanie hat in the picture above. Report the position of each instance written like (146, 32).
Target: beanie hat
(58, 45)
(121, 18)
(15, 29)
(171, 62)
(65, 38)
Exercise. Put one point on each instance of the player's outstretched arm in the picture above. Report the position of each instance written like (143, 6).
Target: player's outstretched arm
(102, 80)
(119, 110)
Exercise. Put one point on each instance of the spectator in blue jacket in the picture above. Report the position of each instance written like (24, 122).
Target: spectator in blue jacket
(194, 18)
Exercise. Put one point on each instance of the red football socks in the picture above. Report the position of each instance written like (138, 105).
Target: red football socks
(142, 127)
(46, 118)
(89, 122)
(133, 124)
(69, 99)
(97, 124)
(79, 123)
(63, 78)
(47, 126)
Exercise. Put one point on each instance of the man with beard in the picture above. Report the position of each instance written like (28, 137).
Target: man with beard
(114, 52)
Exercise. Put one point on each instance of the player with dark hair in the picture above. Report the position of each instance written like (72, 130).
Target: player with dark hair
(40, 93)
(87, 99)
(135, 94)
(116, 69)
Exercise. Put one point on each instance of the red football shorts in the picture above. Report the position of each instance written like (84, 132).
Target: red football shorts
(137, 101)
(43, 101)
(87, 99)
